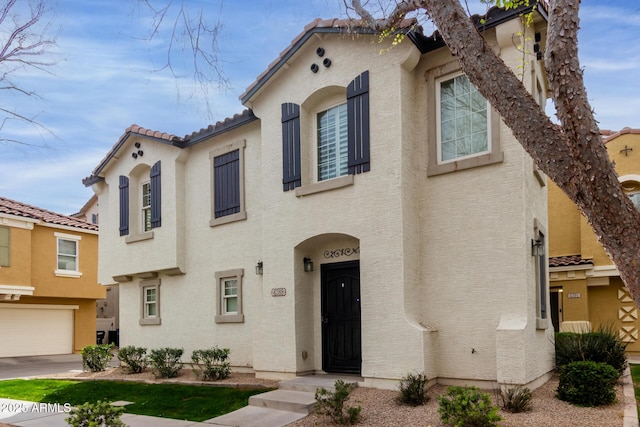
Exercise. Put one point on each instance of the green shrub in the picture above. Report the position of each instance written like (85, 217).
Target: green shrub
(515, 399)
(135, 358)
(413, 389)
(467, 407)
(333, 403)
(588, 383)
(211, 364)
(99, 414)
(95, 358)
(166, 362)
(601, 346)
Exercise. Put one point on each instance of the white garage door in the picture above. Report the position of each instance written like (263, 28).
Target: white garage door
(35, 329)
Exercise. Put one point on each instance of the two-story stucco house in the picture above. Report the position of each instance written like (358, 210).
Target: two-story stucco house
(48, 281)
(368, 214)
(586, 289)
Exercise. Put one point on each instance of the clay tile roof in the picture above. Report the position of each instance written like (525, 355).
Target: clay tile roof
(608, 135)
(152, 133)
(221, 126)
(11, 207)
(345, 26)
(566, 261)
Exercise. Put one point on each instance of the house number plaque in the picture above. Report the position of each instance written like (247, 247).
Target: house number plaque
(278, 292)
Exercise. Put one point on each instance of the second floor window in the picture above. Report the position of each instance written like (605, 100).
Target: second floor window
(332, 143)
(146, 206)
(462, 120)
(4, 247)
(67, 255)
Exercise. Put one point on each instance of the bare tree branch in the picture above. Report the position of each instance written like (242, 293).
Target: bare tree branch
(24, 45)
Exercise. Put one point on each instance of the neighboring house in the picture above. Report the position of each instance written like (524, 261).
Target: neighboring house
(370, 214)
(89, 211)
(586, 289)
(107, 310)
(48, 281)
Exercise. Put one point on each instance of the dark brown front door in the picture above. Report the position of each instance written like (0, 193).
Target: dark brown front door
(341, 342)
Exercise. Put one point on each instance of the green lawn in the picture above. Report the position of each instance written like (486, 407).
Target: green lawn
(184, 402)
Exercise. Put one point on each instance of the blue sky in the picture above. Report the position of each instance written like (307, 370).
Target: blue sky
(104, 81)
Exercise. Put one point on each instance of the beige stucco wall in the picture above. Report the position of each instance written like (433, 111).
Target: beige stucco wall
(448, 283)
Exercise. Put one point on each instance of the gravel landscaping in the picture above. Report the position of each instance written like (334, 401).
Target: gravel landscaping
(379, 407)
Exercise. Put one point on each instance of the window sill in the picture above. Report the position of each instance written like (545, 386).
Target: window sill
(230, 318)
(68, 273)
(240, 216)
(472, 162)
(131, 238)
(150, 321)
(328, 185)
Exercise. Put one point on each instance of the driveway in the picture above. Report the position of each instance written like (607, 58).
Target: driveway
(29, 366)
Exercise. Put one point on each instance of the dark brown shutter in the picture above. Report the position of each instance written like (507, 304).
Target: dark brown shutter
(124, 205)
(358, 112)
(226, 170)
(291, 177)
(156, 196)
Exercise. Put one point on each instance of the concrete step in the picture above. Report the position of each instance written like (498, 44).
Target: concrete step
(311, 383)
(285, 400)
(253, 416)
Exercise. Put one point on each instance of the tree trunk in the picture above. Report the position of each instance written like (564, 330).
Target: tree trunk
(573, 154)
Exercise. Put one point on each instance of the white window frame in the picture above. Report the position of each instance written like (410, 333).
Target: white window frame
(493, 155)
(145, 209)
(340, 169)
(439, 83)
(541, 263)
(63, 272)
(7, 246)
(145, 317)
(222, 277)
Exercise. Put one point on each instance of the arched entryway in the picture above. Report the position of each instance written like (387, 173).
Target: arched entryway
(328, 305)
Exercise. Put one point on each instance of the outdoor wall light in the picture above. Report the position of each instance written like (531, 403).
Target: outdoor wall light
(308, 265)
(259, 268)
(537, 247)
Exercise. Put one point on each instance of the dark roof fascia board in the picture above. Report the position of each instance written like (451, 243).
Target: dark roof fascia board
(494, 17)
(219, 129)
(94, 178)
(293, 50)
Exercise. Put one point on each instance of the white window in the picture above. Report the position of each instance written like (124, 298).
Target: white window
(150, 302)
(635, 198)
(462, 118)
(5, 247)
(229, 296)
(332, 153)
(146, 207)
(538, 251)
(67, 253)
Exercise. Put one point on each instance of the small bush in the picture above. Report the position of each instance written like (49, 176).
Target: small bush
(515, 399)
(135, 359)
(99, 414)
(413, 389)
(211, 364)
(333, 403)
(95, 358)
(601, 346)
(467, 407)
(166, 362)
(588, 383)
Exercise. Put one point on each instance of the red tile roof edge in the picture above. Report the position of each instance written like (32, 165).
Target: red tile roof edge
(16, 208)
(608, 135)
(568, 260)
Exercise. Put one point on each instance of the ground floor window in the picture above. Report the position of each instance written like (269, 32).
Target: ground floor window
(150, 302)
(229, 296)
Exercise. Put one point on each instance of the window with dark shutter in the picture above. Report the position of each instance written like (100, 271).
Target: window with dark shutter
(358, 112)
(226, 169)
(291, 177)
(156, 196)
(124, 205)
